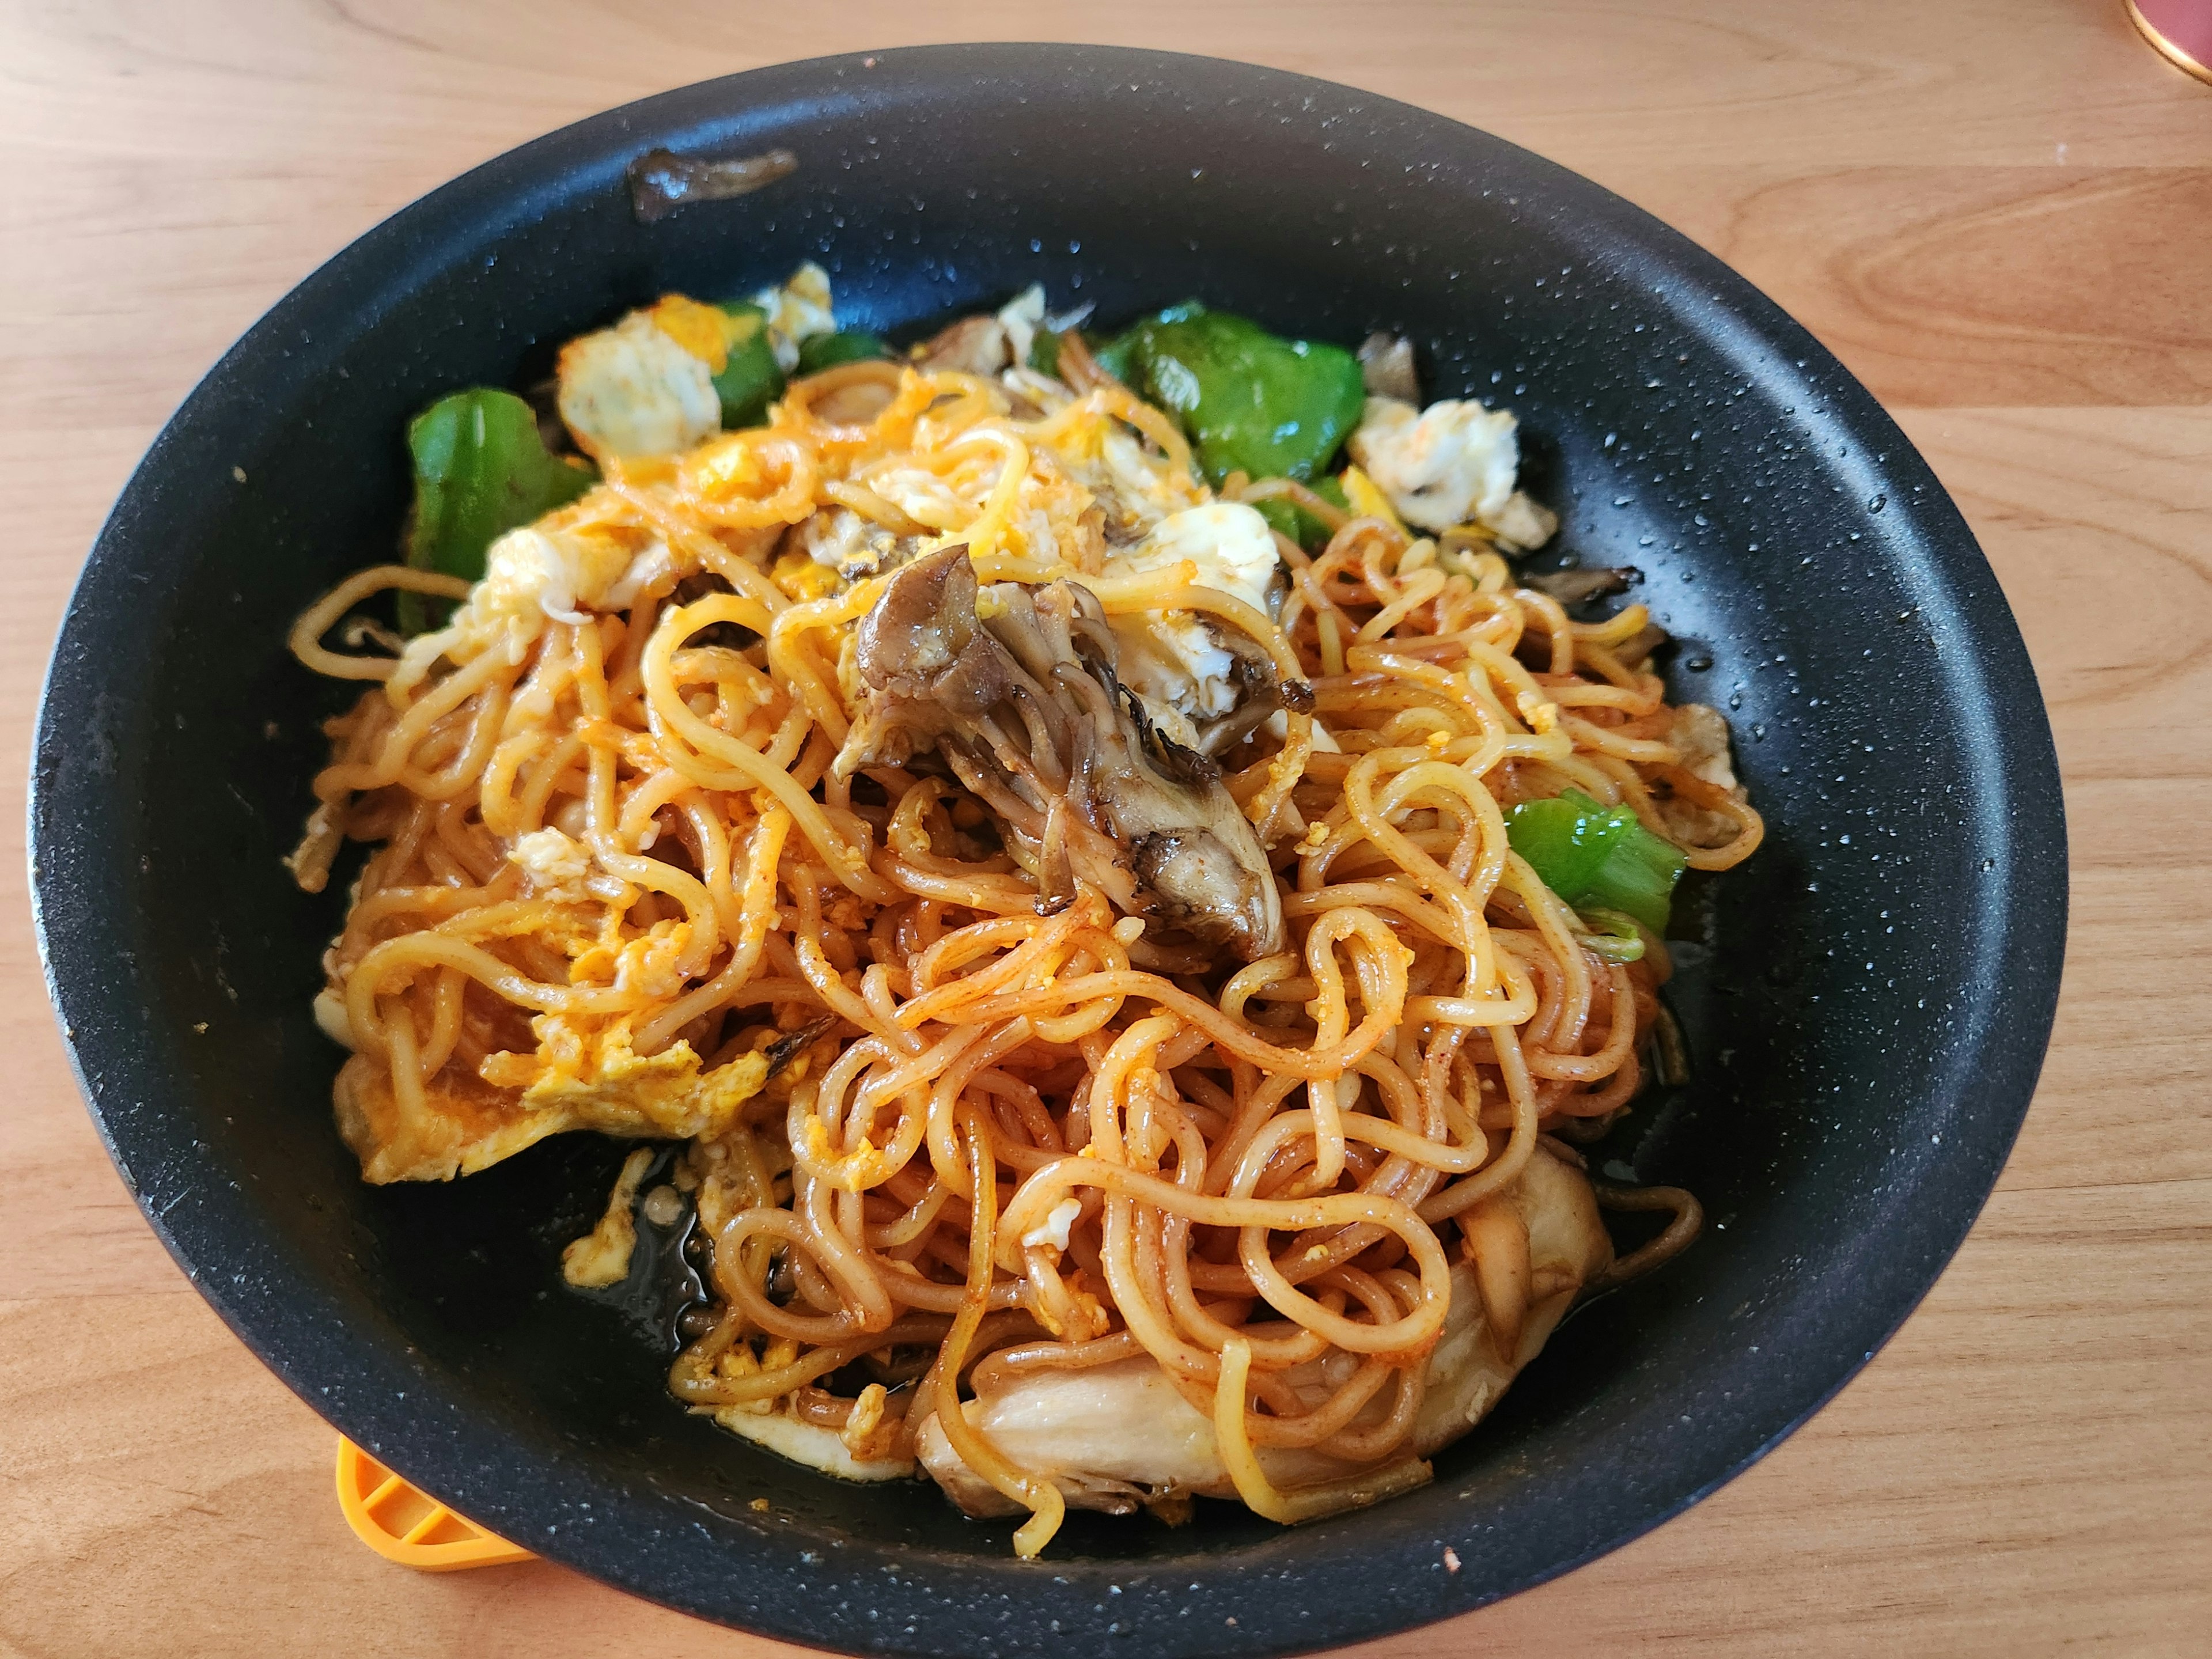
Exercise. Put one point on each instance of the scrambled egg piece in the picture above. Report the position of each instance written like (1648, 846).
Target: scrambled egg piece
(1522, 524)
(1134, 493)
(706, 332)
(798, 311)
(601, 1256)
(651, 964)
(576, 1080)
(1173, 659)
(558, 866)
(1021, 317)
(565, 574)
(1230, 542)
(634, 390)
(1369, 502)
(601, 1081)
(533, 575)
(645, 386)
(840, 540)
(1054, 1232)
(1452, 462)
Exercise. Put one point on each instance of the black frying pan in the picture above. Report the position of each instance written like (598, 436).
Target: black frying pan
(1868, 1002)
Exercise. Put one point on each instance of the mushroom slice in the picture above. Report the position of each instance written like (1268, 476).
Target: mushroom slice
(1583, 583)
(1019, 694)
(973, 345)
(929, 668)
(1700, 733)
(811, 1444)
(1386, 366)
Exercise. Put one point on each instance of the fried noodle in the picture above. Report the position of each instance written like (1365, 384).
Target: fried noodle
(1007, 1139)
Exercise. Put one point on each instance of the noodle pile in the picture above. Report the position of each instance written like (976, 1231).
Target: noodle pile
(616, 883)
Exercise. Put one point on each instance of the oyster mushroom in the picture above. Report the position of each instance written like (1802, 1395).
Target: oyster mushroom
(1015, 688)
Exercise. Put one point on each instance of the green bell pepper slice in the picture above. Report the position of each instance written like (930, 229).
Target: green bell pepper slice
(1117, 357)
(751, 380)
(1613, 935)
(1296, 522)
(1597, 858)
(1251, 401)
(480, 470)
(848, 345)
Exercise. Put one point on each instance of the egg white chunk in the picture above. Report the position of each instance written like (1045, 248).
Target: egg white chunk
(554, 862)
(798, 311)
(1453, 463)
(632, 390)
(1171, 658)
(1021, 317)
(561, 575)
(532, 576)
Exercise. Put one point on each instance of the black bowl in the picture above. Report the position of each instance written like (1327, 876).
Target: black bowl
(1868, 999)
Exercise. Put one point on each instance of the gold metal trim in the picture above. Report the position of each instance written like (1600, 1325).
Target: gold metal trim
(2166, 48)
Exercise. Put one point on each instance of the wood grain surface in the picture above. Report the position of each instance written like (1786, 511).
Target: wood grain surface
(1999, 215)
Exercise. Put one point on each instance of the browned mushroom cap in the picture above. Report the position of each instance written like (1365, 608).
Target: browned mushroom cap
(661, 181)
(973, 345)
(1026, 709)
(928, 667)
(1576, 585)
(1386, 368)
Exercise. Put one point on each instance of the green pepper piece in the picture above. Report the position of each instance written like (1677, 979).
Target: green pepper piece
(1288, 519)
(1251, 401)
(848, 345)
(1114, 356)
(1597, 858)
(1564, 839)
(1110, 355)
(480, 470)
(1613, 934)
(1296, 522)
(749, 380)
(1637, 876)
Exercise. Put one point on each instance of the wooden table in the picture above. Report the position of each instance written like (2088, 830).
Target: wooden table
(2000, 216)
